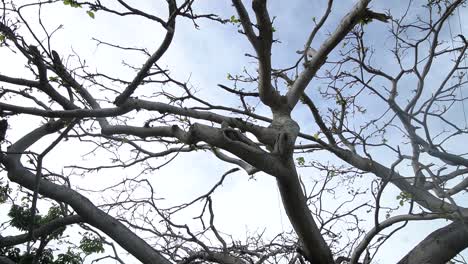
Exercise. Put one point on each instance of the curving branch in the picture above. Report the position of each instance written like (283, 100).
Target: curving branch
(356, 15)
(40, 231)
(83, 207)
(385, 224)
(142, 73)
(440, 246)
(262, 45)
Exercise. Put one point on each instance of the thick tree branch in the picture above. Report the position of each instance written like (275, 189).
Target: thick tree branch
(262, 45)
(385, 224)
(83, 206)
(295, 205)
(40, 231)
(440, 246)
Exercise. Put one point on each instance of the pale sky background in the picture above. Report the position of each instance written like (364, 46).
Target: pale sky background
(205, 56)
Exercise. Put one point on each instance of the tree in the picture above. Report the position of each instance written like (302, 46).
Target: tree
(384, 114)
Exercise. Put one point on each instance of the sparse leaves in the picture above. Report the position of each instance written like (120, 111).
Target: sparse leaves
(53, 78)
(72, 3)
(316, 136)
(91, 244)
(234, 20)
(300, 161)
(90, 14)
(404, 197)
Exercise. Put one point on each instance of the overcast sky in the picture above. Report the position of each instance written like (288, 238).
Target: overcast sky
(205, 56)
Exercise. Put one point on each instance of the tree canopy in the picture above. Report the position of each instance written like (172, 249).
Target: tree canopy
(123, 124)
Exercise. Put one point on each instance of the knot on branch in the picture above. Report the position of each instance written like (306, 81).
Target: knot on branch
(286, 133)
(234, 135)
(188, 137)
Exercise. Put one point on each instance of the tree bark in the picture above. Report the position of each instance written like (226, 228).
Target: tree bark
(440, 246)
(295, 205)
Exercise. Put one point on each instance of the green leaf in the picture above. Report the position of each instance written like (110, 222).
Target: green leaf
(53, 78)
(71, 3)
(3, 194)
(404, 197)
(2, 37)
(91, 244)
(316, 136)
(21, 217)
(234, 20)
(90, 14)
(300, 161)
(273, 29)
(69, 258)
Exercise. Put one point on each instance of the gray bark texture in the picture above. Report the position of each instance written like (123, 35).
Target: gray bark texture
(440, 246)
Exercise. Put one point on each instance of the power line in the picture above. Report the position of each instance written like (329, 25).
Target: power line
(464, 62)
(459, 74)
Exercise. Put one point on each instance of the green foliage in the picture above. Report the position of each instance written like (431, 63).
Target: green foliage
(340, 101)
(2, 37)
(11, 252)
(404, 197)
(21, 217)
(47, 257)
(75, 4)
(234, 20)
(91, 244)
(69, 258)
(4, 191)
(54, 213)
(53, 78)
(365, 20)
(71, 3)
(300, 161)
(316, 136)
(26, 259)
(90, 14)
